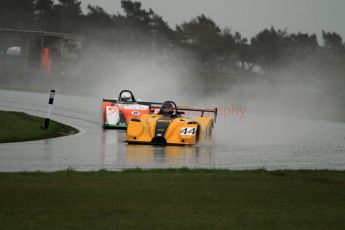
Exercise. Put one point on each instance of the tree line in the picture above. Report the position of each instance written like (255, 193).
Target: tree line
(213, 48)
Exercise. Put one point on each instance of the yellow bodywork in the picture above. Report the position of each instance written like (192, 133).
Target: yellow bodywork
(178, 131)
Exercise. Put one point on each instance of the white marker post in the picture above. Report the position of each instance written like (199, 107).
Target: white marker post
(50, 108)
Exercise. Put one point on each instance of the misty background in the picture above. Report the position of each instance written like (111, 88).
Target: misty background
(197, 62)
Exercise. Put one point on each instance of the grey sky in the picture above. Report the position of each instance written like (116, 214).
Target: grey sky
(248, 16)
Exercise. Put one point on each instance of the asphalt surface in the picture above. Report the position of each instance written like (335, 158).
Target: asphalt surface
(250, 142)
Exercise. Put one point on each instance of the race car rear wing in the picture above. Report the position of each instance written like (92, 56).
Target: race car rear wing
(189, 108)
(138, 102)
(110, 100)
(149, 103)
(203, 111)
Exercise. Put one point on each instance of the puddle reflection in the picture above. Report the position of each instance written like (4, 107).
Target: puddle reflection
(167, 156)
(116, 151)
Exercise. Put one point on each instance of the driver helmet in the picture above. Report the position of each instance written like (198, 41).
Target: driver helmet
(167, 108)
(126, 96)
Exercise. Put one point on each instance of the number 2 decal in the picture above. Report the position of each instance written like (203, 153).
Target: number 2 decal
(188, 131)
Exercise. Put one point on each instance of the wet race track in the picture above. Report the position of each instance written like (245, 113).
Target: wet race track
(250, 142)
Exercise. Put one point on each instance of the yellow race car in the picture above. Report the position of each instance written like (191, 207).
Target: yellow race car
(168, 127)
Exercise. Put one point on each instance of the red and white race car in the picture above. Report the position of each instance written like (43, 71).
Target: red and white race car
(116, 113)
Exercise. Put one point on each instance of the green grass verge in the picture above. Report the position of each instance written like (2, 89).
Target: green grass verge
(173, 199)
(18, 126)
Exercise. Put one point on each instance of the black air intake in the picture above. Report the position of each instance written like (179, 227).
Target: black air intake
(159, 141)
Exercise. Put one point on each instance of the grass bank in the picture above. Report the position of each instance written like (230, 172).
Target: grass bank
(173, 199)
(18, 126)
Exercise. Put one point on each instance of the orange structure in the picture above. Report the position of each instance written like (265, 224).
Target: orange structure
(46, 61)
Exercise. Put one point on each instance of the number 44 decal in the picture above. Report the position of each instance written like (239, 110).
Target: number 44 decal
(188, 131)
